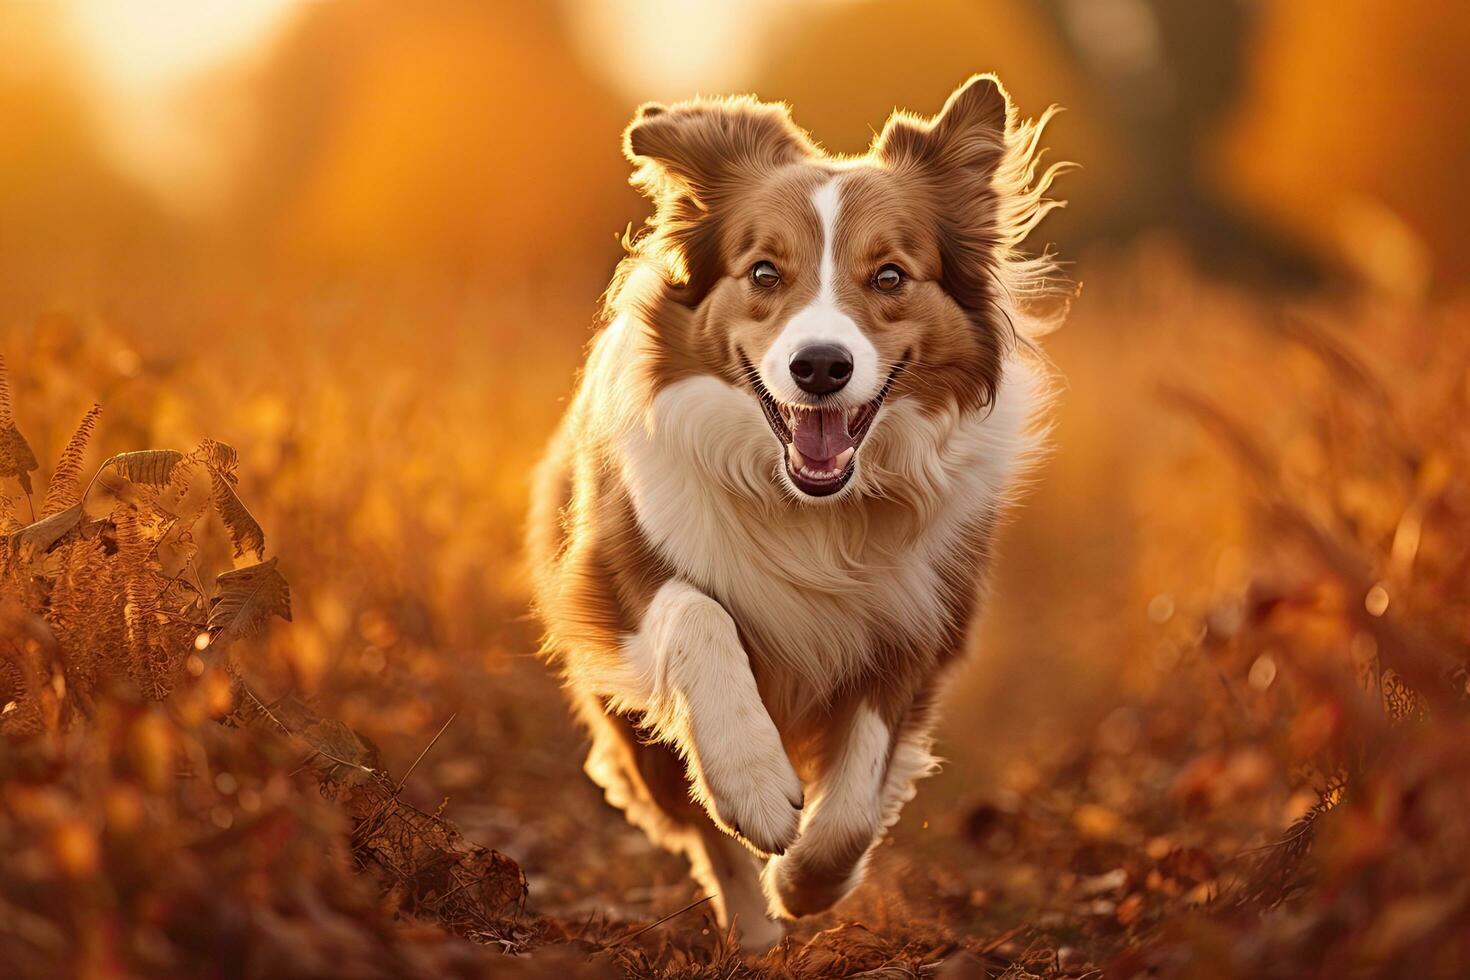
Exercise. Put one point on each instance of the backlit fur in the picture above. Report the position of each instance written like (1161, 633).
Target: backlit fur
(755, 663)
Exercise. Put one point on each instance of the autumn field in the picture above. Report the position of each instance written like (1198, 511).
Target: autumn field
(270, 704)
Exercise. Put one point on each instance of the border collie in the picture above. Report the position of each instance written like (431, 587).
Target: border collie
(760, 536)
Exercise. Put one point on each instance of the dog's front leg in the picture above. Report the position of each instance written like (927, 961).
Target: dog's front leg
(691, 679)
(841, 825)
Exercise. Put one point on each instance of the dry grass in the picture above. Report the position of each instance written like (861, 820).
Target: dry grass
(1275, 789)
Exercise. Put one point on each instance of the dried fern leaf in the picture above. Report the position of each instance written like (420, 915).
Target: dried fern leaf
(245, 530)
(183, 498)
(153, 467)
(151, 663)
(219, 456)
(181, 503)
(245, 600)
(43, 535)
(175, 551)
(65, 487)
(16, 458)
(7, 410)
(27, 653)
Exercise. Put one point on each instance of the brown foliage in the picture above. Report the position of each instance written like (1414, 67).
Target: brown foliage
(146, 836)
(1284, 798)
(16, 458)
(65, 489)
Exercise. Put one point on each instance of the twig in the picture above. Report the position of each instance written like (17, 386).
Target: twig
(245, 689)
(198, 579)
(1290, 837)
(425, 752)
(1327, 802)
(153, 552)
(177, 617)
(586, 925)
(1000, 941)
(461, 886)
(655, 925)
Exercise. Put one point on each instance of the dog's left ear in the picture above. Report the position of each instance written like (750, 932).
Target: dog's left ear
(966, 139)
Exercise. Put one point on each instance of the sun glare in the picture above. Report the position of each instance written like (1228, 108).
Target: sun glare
(141, 55)
(146, 63)
(669, 49)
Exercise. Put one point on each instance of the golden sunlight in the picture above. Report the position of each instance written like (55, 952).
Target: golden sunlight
(667, 50)
(142, 57)
(369, 439)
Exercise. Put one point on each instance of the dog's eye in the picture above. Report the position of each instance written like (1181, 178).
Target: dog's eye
(765, 275)
(888, 278)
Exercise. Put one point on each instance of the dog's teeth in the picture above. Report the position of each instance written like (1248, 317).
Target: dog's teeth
(800, 464)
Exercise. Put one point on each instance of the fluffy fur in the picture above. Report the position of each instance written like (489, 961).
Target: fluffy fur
(754, 639)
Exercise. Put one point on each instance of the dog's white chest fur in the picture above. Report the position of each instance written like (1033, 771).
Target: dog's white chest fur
(815, 588)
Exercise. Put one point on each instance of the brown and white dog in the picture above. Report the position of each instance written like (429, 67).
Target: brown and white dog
(761, 532)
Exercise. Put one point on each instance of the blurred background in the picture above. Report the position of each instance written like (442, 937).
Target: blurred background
(364, 244)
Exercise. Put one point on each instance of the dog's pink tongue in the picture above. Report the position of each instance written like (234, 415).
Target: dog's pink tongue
(822, 434)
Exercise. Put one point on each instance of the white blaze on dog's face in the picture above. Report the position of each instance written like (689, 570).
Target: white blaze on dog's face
(826, 288)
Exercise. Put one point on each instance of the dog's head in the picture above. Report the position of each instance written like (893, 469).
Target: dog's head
(828, 288)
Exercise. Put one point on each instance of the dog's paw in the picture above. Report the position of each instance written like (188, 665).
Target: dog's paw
(746, 782)
(758, 935)
(794, 889)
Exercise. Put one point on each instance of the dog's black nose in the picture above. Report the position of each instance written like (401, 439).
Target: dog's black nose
(820, 369)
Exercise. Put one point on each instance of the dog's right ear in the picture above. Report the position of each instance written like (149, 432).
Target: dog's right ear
(709, 147)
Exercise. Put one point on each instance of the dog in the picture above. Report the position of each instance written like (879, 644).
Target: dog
(760, 536)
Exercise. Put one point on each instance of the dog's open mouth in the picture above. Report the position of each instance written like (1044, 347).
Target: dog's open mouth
(821, 442)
